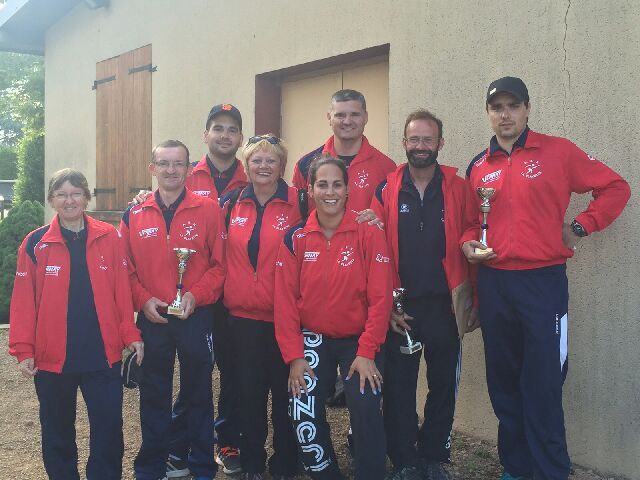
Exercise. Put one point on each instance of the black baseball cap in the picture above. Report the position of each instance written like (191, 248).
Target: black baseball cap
(512, 85)
(225, 108)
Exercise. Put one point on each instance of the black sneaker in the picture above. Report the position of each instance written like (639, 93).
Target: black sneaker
(229, 459)
(406, 473)
(435, 471)
(177, 468)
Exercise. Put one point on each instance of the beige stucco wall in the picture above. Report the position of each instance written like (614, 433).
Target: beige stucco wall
(581, 61)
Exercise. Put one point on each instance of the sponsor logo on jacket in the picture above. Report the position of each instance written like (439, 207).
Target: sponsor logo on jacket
(311, 256)
(148, 232)
(491, 177)
(52, 270)
(21, 274)
(103, 265)
(239, 221)
(202, 193)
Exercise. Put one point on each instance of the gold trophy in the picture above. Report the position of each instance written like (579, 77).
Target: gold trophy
(485, 194)
(183, 255)
(411, 346)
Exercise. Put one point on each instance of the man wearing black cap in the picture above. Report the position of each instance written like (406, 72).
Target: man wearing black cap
(217, 172)
(522, 282)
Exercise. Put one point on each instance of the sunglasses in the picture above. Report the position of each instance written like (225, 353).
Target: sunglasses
(269, 138)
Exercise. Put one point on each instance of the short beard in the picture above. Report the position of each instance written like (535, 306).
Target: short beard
(416, 162)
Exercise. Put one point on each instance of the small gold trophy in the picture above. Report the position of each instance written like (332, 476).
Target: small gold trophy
(183, 255)
(485, 194)
(398, 298)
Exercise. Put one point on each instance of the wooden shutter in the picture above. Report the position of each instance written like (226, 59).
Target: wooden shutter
(123, 127)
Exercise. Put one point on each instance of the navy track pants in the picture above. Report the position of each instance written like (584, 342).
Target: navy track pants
(102, 393)
(523, 316)
(192, 340)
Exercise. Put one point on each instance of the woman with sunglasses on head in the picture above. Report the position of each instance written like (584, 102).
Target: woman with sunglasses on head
(258, 216)
(71, 316)
(333, 300)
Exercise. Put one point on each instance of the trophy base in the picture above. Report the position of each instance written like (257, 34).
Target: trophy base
(171, 310)
(411, 349)
(486, 251)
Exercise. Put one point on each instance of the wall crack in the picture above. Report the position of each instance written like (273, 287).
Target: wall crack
(567, 85)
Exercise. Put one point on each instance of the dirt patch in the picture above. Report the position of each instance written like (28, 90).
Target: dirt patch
(472, 459)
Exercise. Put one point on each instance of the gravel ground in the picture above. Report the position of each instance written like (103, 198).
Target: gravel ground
(472, 459)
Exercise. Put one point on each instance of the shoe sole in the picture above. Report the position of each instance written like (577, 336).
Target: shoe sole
(178, 473)
(226, 470)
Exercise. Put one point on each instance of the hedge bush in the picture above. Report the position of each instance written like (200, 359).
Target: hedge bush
(21, 219)
(30, 180)
(8, 163)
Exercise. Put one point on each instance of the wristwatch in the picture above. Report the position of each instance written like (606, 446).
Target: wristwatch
(578, 229)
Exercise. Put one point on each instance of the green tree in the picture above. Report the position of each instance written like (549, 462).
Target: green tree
(30, 181)
(21, 96)
(8, 163)
(21, 220)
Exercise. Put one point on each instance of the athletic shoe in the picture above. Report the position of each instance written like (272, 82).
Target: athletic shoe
(251, 476)
(508, 476)
(177, 468)
(435, 471)
(406, 473)
(229, 459)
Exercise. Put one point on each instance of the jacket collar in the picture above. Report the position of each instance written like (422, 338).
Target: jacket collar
(527, 139)
(347, 224)
(94, 228)
(365, 149)
(282, 192)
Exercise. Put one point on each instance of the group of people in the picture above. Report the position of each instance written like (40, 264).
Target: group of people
(282, 285)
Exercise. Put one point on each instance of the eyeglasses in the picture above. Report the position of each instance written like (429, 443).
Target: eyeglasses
(413, 141)
(62, 197)
(269, 138)
(165, 164)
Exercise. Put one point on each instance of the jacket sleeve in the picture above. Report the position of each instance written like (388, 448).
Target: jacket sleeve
(609, 190)
(379, 294)
(22, 331)
(208, 289)
(379, 205)
(139, 294)
(471, 213)
(129, 333)
(286, 314)
(298, 179)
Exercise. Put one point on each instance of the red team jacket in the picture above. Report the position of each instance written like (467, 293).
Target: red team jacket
(249, 293)
(196, 225)
(454, 191)
(41, 289)
(366, 171)
(201, 182)
(533, 189)
(339, 288)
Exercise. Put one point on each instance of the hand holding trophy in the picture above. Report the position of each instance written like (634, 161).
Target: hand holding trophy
(398, 299)
(183, 255)
(485, 194)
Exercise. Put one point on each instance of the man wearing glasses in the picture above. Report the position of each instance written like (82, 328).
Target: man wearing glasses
(175, 218)
(422, 205)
